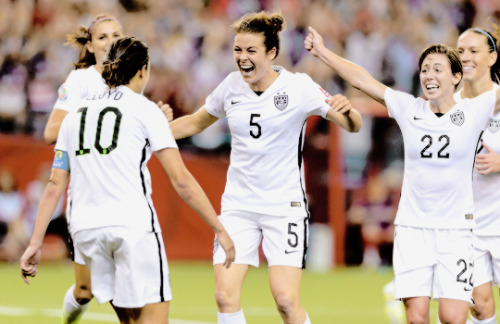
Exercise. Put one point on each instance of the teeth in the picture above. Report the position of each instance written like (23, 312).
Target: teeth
(429, 87)
(468, 68)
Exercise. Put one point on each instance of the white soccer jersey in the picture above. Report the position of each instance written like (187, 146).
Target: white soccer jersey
(485, 187)
(78, 85)
(266, 174)
(439, 157)
(109, 140)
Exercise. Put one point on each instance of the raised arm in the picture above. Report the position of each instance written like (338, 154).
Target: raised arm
(53, 124)
(189, 190)
(355, 75)
(192, 124)
(58, 181)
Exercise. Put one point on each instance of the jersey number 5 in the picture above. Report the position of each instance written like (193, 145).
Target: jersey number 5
(97, 144)
(255, 133)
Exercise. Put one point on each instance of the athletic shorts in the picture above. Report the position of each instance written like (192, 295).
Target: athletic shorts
(486, 260)
(284, 238)
(127, 267)
(433, 262)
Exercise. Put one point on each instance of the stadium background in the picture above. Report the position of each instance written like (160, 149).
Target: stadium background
(191, 52)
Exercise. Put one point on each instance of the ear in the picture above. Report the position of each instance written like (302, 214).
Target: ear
(493, 57)
(457, 77)
(90, 48)
(272, 52)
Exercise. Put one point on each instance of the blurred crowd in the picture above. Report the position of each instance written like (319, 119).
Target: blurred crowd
(190, 45)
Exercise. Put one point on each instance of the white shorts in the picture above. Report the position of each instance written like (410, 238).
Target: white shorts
(126, 266)
(284, 238)
(433, 262)
(486, 260)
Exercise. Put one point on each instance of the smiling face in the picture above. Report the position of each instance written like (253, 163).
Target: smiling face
(254, 63)
(436, 78)
(475, 55)
(103, 35)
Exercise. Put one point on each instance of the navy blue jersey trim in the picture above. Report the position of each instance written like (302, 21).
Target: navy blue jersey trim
(306, 225)
(162, 297)
(300, 159)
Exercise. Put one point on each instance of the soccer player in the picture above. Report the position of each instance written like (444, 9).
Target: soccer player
(94, 43)
(105, 145)
(478, 50)
(266, 107)
(433, 239)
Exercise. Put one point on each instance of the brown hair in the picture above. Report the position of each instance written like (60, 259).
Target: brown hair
(81, 37)
(451, 54)
(262, 22)
(126, 56)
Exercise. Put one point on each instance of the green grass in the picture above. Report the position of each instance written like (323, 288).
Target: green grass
(343, 295)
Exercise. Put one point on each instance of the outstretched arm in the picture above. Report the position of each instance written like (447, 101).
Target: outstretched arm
(53, 191)
(343, 114)
(189, 190)
(355, 75)
(192, 124)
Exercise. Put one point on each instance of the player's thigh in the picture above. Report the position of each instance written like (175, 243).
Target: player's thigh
(244, 229)
(229, 281)
(285, 282)
(453, 310)
(151, 313)
(285, 240)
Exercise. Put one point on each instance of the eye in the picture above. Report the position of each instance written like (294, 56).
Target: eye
(460, 51)
(237, 50)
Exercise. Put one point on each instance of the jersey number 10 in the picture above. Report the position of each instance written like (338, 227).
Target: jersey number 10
(97, 144)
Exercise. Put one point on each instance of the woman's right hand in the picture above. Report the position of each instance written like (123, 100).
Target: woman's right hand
(228, 245)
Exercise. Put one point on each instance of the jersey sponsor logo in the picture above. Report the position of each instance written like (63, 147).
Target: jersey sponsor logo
(63, 95)
(458, 118)
(281, 101)
(494, 125)
(288, 251)
(234, 102)
(469, 216)
(417, 118)
(325, 92)
(295, 204)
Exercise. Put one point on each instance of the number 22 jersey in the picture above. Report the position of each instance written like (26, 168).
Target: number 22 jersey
(439, 159)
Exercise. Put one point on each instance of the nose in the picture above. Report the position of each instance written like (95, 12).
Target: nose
(465, 56)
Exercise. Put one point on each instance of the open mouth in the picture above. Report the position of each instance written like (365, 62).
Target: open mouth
(246, 69)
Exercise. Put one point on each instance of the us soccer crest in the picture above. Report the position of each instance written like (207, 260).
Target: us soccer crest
(281, 101)
(494, 125)
(457, 118)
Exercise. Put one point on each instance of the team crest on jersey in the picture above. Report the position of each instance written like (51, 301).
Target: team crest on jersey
(281, 101)
(63, 96)
(494, 125)
(458, 118)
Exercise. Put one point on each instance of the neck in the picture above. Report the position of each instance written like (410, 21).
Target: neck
(442, 105)
(475, 88)
(265, 82)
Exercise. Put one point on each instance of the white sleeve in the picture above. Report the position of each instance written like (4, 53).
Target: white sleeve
(70, 92)
(62, 137)
(157, 129)
(398, 102)
(214, 104)
(484, 106)
(313, 96)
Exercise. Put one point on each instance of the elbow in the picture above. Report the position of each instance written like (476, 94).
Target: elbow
(49, 138)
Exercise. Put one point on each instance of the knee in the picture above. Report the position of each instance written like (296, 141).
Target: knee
(83, 294)
(226, 301)
(416, 317)
(483, 308)
(286, 304)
